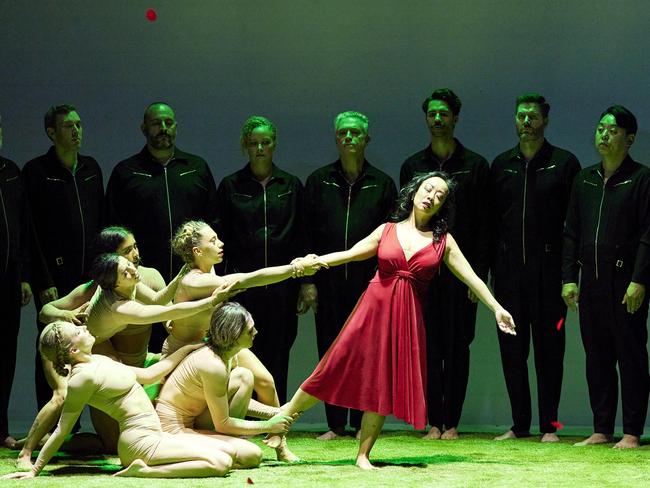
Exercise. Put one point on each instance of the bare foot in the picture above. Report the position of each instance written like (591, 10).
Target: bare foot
(284, 454)
(364, 463)
(596, 438)
(450, 434)
(330, 435)
(9, 442)
(505, 436)
(550, 437)
(628, 442)
(433, 434)
(136, 469)
(273, 441)
(24, 462)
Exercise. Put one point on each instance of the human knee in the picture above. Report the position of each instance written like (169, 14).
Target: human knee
(242, 377)
(265, 383)
(249, 456)
(219, 463)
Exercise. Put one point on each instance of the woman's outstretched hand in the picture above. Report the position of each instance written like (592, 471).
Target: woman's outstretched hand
(505, 321)
(308, 265)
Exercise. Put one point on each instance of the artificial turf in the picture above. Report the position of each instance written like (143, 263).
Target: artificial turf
(404, 459)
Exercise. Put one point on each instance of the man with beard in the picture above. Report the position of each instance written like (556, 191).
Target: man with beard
(530, 188)
(157, 190)
(451, 310)
(65, 193)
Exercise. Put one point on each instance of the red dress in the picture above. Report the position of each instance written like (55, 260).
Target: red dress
(378, 361)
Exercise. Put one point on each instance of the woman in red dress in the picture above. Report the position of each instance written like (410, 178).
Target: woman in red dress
(378, 362)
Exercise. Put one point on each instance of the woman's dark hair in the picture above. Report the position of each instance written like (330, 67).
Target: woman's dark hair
(442, 221)
(110, 238)
(104, 270)
(227, 323)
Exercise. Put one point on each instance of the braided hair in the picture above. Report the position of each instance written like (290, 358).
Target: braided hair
(54, 345)
(187, 237)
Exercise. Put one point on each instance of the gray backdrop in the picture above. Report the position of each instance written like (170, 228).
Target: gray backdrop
(299, 63)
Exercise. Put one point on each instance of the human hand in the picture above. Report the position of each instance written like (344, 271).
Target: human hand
(25, 293)
(505, 321)
(48, 295)
(279, 424)
(224, 292)
(308, 265)
(307, 298)
(471, 296)
(77, 316)
(570, 295)
(634, 296)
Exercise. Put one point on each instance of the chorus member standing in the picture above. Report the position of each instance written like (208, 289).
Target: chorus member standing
(344, 201)
(65, 191)
(451, 311)
(531, 185)
(607, 243)
(14, 278)
(260, 218)
(156, 190)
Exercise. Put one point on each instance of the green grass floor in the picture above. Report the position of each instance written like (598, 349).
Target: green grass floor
(404, 459)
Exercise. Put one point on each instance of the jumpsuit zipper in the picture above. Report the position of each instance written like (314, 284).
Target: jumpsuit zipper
(523, 214)
(83, 225)
(171, 230)
(4, 213)
(347, 222)
(600, 211)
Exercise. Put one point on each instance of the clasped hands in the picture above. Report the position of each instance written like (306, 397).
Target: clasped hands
(308, 265)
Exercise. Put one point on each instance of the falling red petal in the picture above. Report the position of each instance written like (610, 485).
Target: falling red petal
(249, 481)
(151, 15)
(560, 323)
(558, 425)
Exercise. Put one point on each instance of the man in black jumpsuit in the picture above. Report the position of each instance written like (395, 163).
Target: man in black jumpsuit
(451, 310)
(260, 221)
(607, 242)
(530, 186)
(344, 202)
(156, 190)
(65, 192)
(14, 278)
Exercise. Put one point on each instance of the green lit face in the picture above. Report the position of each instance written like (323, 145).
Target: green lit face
(67, 132)
(260, 145)
(530, 122)
(440, 119)
(210, 247)
(129, 249)
(159, 127)
(351, 137)
(247, 336)
(610, 139)
(127, 273)
(431, 195)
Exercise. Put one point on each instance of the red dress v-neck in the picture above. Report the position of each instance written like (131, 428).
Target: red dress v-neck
(378, 361)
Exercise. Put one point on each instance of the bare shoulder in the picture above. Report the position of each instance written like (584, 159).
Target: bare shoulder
(208, 362)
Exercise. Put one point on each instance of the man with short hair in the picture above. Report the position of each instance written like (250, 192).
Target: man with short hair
(344, 202)
(451, 312)
(156, 190)
(14, 278)
(65, 193)
(607, 243)
(530, 188)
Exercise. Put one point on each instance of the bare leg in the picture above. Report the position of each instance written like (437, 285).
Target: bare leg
(183, 456)
(371, 424)
(628, 442)
(450, 434)
(595, 438)
(505, 436)
(107, 429)
(300, 402)
(45, 419)
(264, 384)
(433, 434)
(244, 453)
